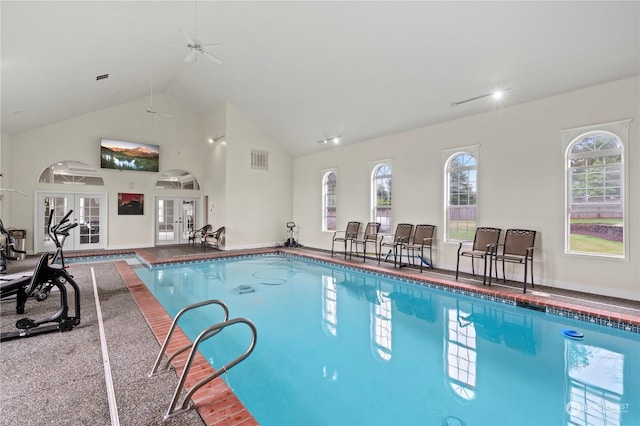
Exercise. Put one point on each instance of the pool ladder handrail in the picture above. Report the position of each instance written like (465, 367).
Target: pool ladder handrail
(154, 370)
(208, 332)
(204, 335)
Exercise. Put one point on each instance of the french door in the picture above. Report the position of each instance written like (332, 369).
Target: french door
(175, 218)
(89, 212)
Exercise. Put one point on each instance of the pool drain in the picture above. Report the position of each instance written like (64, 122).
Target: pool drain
(244, 289)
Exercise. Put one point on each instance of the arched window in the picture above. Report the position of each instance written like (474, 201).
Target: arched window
(177, 179)
(329, 201)
(71, 172)
(595, 194)
(461, 196)
(381, 197)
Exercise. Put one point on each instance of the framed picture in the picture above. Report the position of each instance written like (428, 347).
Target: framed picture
(121, 155)
(130, 203)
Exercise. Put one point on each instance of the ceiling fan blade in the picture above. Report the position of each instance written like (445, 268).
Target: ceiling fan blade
(164, 114)
(190, 56)
(214, 44)
(212, 57)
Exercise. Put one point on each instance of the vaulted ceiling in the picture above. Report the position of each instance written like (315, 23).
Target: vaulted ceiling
(308, 70)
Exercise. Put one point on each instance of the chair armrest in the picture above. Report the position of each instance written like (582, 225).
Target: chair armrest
(463, 243)
(492, 248)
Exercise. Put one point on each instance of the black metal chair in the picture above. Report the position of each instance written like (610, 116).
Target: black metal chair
(484, 247)
(370, 236)
(517, 248)
(350, 234)
(213, 239)
(401, 238)
(198, 233)
(422, 238)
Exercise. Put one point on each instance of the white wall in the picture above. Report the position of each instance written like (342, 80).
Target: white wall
(181, 141)
(215, 170)
(521, 182)
(253, 205)
(258, 202)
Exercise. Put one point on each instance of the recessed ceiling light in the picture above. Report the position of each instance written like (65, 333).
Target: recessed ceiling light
(210, 140)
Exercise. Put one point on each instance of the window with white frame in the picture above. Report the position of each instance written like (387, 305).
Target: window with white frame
(595, 190)
(381, 196)
(461, 193)
(329, 201)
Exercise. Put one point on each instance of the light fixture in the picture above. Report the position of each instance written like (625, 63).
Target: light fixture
(220, 139)
(497, 95)
(335, 140)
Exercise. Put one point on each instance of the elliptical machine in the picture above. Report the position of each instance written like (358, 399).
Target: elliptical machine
(47, 274)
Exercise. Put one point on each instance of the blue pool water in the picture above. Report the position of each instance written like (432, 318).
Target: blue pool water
(338, 346)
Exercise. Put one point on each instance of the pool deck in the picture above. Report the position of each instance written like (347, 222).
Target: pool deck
(55, 377)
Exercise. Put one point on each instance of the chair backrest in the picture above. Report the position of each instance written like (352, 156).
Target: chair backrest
(217, 232)
(517, 241)
(205, 229)
(423, 232)
(371, 231)
(352, 230)
(486, 236)
(403, 233)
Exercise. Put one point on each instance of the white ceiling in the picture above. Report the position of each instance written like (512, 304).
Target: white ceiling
(307, 70)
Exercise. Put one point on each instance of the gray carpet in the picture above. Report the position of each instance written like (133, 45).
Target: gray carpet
(58, 378)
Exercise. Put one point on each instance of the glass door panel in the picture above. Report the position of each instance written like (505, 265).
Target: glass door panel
(89, 212)
(175, 218)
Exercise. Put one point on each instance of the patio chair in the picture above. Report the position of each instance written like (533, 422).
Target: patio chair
(401, 238)
(484, 247)
(213, 239)
(350, 234)
(370, 236)
(517, 248)
(198, 233)
(422, 238)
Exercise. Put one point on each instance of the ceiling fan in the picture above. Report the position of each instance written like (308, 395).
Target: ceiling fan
(150, 110)
(196, 47)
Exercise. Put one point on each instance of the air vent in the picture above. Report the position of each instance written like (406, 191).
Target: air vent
(259, 160)
(102, 77)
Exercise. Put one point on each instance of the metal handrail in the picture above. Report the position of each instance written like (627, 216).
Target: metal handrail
(210, 331)
(154, 370)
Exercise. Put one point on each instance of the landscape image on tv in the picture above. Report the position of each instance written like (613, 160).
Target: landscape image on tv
(122, 155)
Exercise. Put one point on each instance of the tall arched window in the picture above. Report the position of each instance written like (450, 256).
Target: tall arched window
(461, 195)
(595, 194)
(329, 201)
(381, 196)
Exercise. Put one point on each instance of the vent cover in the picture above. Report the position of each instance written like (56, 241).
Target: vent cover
(259, 160)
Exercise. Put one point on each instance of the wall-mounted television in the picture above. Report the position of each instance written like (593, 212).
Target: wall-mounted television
(122, 155)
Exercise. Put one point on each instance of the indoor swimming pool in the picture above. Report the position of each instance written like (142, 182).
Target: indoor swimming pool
(338, 346)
